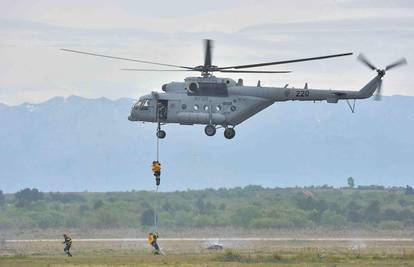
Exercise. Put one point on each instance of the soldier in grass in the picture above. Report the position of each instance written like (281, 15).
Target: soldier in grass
(68, 244)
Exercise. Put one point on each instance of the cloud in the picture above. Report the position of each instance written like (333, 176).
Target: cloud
(373, 4)
(31, 34)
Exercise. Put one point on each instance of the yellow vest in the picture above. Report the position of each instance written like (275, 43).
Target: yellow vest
(151, 238)
(156, 167)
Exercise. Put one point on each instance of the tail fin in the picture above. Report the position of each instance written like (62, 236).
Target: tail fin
(369, 89)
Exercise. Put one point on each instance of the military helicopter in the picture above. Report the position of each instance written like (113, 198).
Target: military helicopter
(224, 103)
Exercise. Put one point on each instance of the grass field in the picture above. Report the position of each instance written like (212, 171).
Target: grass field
(194, 253)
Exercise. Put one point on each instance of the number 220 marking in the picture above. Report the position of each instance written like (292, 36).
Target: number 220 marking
(302, 93)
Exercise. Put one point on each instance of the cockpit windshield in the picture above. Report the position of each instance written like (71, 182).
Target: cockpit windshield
(142, 104)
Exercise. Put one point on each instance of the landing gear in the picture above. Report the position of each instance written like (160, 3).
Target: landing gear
(161, 134)
(210, 130)
(161, 114)
(229, 133)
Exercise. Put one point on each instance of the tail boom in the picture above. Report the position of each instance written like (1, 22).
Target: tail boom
(304, 94)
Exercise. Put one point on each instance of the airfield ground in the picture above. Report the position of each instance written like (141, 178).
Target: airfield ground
(192, 252)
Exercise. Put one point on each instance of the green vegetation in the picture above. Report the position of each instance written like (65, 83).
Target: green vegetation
(248, 207)
(2, 199)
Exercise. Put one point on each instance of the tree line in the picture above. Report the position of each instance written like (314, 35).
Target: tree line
(248, 207)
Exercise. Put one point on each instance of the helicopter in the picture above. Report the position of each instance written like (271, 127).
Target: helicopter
(224, 103)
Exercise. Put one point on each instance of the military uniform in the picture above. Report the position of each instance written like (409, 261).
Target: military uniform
(156, 169)
(68, 244)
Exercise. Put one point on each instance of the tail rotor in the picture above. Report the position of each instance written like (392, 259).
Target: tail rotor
(364, 60)
(397, 63)
(381, 72)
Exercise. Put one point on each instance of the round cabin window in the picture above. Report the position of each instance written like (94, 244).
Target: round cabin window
(206, 107)
(196, 107)
(193, 87)
(184, 106)
(233, 108)
(218, 108)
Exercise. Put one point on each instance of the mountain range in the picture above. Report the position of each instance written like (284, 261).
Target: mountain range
(78, 144)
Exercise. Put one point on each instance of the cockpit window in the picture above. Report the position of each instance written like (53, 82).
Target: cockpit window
(138, 104)
(142, 104)
(145, 104)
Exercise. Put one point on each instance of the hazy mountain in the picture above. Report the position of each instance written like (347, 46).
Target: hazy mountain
(77, 144)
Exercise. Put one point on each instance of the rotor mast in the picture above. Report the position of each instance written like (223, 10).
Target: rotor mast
(207, 69)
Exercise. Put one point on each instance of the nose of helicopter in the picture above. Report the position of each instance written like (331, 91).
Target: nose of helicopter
(134, 114)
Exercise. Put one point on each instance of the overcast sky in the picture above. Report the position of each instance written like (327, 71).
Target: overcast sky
(33, 69)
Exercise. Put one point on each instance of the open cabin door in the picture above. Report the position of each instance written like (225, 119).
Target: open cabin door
(162, 110)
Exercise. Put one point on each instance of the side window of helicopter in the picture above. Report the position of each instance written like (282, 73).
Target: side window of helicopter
(196, 107)
(193, 89)
(206, 107)
(207, 89)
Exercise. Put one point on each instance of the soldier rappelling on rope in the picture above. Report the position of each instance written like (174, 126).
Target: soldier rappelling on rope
(156, 169)
(152, 240)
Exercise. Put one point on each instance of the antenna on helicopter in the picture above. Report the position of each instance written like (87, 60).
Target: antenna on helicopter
(208, 68)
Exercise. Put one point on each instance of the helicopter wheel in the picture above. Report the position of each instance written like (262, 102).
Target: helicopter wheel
(161, 134)
(229, 133)
(210, 130)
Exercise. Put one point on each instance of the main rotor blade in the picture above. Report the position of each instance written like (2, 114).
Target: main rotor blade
(364, 60)
(128, 59)
(256, 71)
(154, 70)
(400, 62)
(284, 61)
(207, 53)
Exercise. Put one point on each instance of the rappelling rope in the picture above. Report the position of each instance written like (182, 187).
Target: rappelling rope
(156, 188)
(158, 149)
(155, 211)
